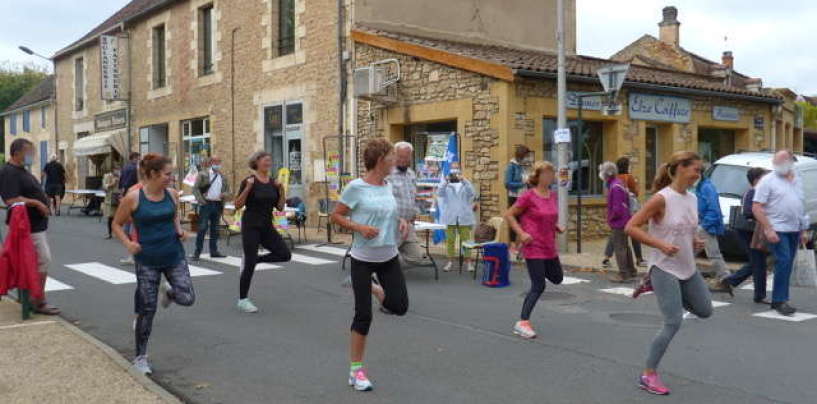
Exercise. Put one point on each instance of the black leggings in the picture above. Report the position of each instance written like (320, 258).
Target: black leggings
(251, 238)
(147, 293)
(539, 271)
(394, 285)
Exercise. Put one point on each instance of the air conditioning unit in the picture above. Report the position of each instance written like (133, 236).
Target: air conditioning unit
(370, 81)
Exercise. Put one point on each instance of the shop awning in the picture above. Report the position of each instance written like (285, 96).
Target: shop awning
(101, 144)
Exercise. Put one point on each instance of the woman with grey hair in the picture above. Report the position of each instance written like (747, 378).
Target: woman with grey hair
(618, 214)
(260, 193)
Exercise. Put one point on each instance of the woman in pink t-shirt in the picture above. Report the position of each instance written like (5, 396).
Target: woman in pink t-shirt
(535, 219)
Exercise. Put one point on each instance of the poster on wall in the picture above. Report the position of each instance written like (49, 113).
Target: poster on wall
(437, 147)
(333, 176)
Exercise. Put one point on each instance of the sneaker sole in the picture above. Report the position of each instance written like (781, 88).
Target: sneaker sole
(651, 391)
(519, 334)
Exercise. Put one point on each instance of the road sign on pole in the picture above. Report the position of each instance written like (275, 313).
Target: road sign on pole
(612, 77)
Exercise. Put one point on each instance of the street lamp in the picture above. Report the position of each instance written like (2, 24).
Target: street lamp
(28, 50)
(612, 78)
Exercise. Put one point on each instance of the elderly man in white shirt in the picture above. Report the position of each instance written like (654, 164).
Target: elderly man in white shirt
(211, 190)
(403, 181)
(778, 206)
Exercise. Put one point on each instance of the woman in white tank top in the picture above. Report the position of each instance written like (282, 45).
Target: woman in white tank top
(672, 216)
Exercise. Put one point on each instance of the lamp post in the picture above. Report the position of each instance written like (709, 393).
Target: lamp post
(27, 50)
(612, 78)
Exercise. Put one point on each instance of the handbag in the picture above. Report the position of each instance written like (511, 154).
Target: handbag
(805, 268)
(737, 221)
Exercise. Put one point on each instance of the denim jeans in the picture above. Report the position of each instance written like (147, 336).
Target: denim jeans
(756, 268)
(784, 253)
(209, 218)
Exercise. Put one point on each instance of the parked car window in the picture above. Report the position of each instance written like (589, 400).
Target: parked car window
(730, 180)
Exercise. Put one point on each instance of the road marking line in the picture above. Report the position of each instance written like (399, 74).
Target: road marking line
(797, 317)
(569, 280)
(769, 285)
(199, 271)
(30, 324)
(104, 272)
(236, 262)
(305, 259)
(53, 285)
(340, 252)
(621, 291)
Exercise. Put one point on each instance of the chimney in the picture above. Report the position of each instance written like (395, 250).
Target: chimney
(669, 28)
(728, 60)
(754, 84)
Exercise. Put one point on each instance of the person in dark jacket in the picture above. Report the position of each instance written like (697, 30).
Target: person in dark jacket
(515, 179)
(710, 221)
(130, 173)
(53, 176)
(756, 267)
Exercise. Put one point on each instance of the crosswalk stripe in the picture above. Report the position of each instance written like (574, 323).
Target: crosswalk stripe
(769, 285)
(236, 262)
(621, 291)
(797, 317)
(104, 272)
(340, 252)
(53, 285)
(199, 271)
(305, 259)
(569, 280)
(715, 305)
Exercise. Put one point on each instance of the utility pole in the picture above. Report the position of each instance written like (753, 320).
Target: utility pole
(562, 148)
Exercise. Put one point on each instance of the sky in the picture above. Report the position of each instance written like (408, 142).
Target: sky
(773, 40)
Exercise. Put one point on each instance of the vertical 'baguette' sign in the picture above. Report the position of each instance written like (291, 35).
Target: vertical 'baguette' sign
(111, 75)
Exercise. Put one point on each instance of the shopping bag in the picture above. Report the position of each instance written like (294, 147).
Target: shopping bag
(805, 268)
(190, 178)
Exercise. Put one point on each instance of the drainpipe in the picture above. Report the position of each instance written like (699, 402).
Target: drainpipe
(341, 87)
(232, 102)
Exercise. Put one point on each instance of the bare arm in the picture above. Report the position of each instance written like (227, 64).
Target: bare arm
(766, 225)
(653, 209)
(340, 216)
(510, 216)
(29, 202)
(122, 217)
(241, 200)
(282, 198)
(177, 220)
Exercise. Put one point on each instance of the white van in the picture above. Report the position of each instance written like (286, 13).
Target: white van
(729, 177)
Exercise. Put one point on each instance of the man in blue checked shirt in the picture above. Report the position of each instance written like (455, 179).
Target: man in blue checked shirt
(404, 186)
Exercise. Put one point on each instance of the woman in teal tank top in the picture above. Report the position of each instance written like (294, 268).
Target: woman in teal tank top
(157, 250)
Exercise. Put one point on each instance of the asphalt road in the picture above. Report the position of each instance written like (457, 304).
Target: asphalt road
(454, 345)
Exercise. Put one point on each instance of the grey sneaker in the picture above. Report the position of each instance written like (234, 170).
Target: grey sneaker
(246, 306)
(141, 365)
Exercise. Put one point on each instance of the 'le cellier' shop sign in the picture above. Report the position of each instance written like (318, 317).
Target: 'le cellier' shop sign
(649, 107)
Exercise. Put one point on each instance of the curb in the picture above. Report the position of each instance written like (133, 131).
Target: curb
(145, 381)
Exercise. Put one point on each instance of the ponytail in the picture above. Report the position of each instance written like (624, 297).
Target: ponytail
(666, 173)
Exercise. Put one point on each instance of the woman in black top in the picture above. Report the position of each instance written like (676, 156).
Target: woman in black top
(260, 194)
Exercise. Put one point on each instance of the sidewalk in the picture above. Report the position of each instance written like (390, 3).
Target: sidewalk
(47, 360)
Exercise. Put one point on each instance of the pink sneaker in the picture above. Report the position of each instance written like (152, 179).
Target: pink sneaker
(653, 384)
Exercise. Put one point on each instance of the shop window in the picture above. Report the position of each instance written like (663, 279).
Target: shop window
(206, 48)
(286, 27)
(159, 70)
(195, 141)
(13, 124)
(591, 151)
(79, 84)
(715, 143)
(81, 135)
(43, 114)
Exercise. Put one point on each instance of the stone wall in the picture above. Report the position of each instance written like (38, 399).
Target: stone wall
(425, 82)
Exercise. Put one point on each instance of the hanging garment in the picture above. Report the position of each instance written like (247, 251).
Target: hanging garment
(18, 262)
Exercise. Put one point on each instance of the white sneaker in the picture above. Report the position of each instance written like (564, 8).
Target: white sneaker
(359, 380)
(141, 365)
(127, 261)
(447, 267)
(164, 298)
(469, 267)
(246, 306)
(524, 330)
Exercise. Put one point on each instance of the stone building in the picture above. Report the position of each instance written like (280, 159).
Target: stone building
(496, 97)
(666, 52)
(208, 77)
(32, 117)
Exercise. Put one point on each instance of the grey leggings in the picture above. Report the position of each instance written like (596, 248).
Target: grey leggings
(675, 295)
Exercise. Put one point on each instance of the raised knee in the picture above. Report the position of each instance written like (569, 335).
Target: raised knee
(401, 309)
(706, 313)
(185, 299)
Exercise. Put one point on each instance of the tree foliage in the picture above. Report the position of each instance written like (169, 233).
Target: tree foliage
(17, 79)
(809, 115)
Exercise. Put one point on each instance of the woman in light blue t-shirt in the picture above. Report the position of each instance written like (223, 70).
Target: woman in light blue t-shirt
(367, 207)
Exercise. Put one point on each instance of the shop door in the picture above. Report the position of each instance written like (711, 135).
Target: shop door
(652, 155)
(283, 135)
(715, 143)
